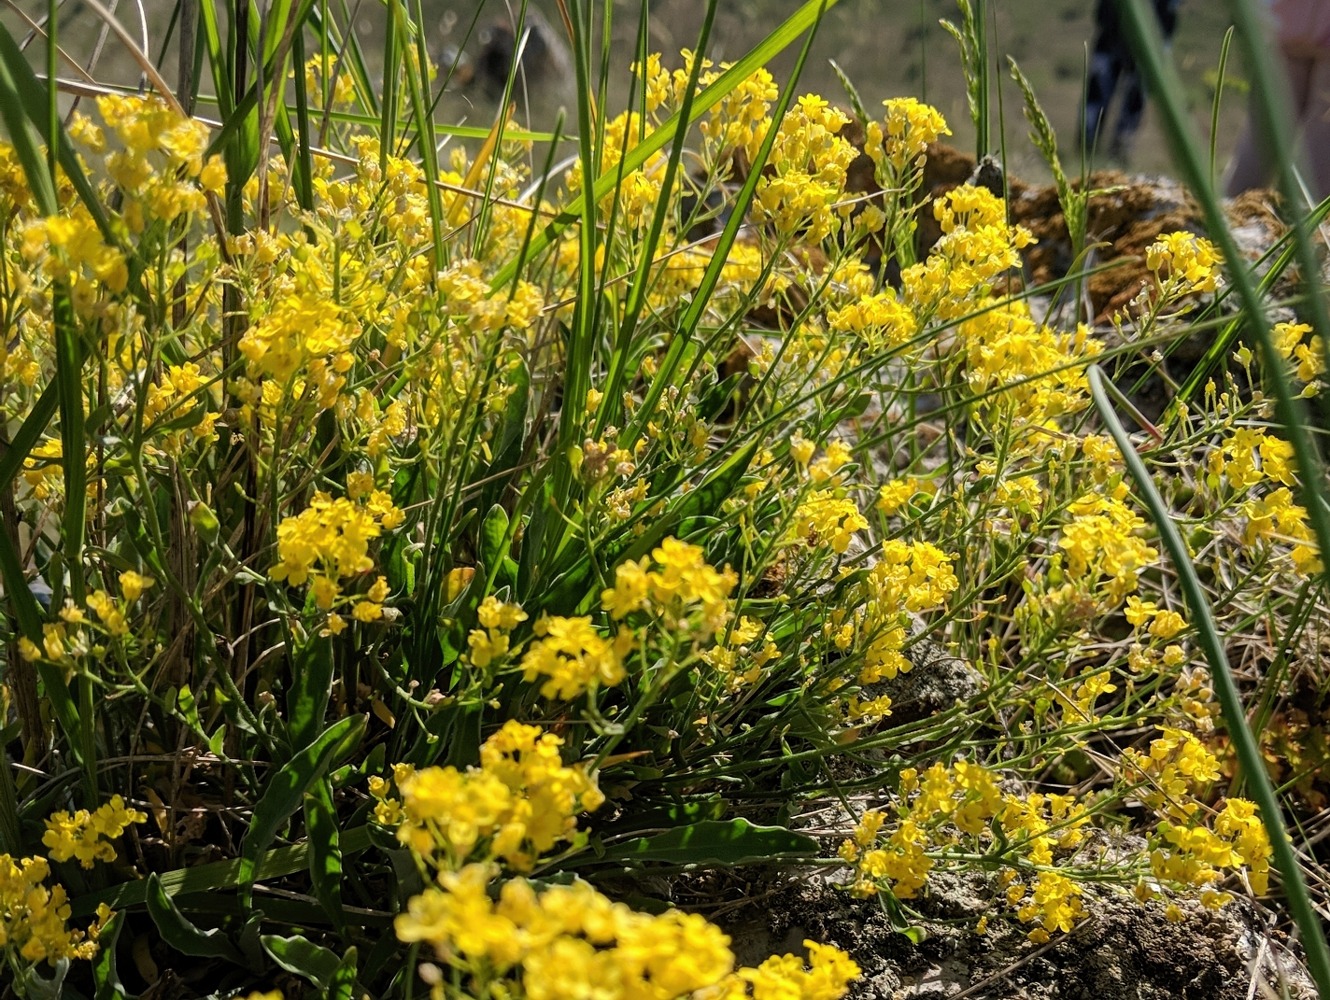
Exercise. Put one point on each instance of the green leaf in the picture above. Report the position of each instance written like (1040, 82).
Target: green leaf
(104, 972)
(287, 789)
(216, 875)
(508, 440)
(493, 536)
(343, 983)
(307, 702)
(180, 933)
(35, 986)
(23, 96)
(733, 842)
(302, 957)
(325, 851)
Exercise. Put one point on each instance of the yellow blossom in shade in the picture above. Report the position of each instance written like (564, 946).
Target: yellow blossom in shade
(367, 611)
(573, 657)
(494, 613)
(834, 457)
(87, 835)
(34, 918)
(101, 603)
(133, 584)
(1184, 263)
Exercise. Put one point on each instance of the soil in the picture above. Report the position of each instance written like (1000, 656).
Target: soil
(1126, 950)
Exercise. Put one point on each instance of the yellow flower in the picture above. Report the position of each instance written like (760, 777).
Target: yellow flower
(1184, 263)
(573, 656)
(825, 519)
(87, 835)
(133, 584)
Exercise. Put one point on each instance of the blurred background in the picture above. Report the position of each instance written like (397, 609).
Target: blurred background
(887, 48)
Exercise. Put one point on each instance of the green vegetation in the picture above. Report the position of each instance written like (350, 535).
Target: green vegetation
(405, 536)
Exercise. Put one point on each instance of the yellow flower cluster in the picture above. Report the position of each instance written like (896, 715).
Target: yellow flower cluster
(899, 143)
(1236, 459)
(824, 519)
(1025, 374)
(334, 86)
(69, 248)
(34, 918)
(1054, 903)
(977, 245)
(635, 195)
(1102, 540)
(329, 542)
(908, 578)
(571, 941)
(893, 496)
(1183, 263)
(804, 193)
(179, 390)
(303, 321)
(162, 168)
(1177, 766)
(1186, 851)
(738, 657)
(1276, 518)
(88, 835)
(477, 308)
(519, 804)
(881, 318)
(497, 619)
(1309, 355)
(963, 806)
(1163, 624)
(682, 586)
(574, 657)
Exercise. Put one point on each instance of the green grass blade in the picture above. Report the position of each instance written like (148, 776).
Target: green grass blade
(1219, 96)
(612, 403)
(1226, 689)
(762, 53)
(287, 787)
(216, 875)
(1162, 78)
(687, 325)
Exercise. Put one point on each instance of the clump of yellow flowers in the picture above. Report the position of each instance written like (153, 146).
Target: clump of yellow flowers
(328, 543)
(954, 811)
(515, 807)
(570, 940)
(507, 937)
(34, 917)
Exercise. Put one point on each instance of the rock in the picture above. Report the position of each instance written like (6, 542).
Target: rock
(1126, 950)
